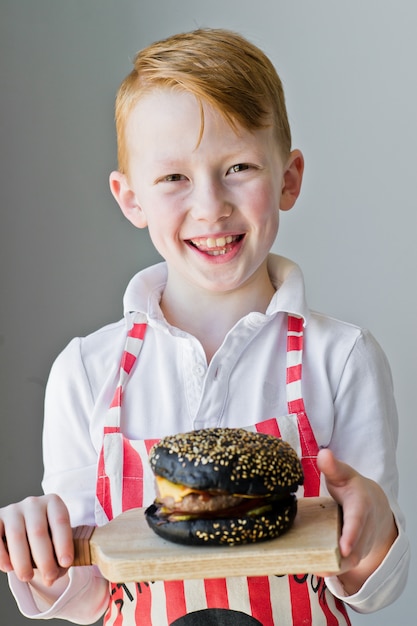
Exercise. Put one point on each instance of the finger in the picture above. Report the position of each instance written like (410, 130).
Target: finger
(50, 538)
(40, 542)
(15, 543)
(5, 563)
(344, 486)
(355, 521)
(61, 532)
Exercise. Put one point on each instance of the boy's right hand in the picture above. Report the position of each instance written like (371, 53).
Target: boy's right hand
(36, 533)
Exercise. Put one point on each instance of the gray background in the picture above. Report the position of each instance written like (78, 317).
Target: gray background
(66, 253)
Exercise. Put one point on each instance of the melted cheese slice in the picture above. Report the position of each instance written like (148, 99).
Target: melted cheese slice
(166, 488)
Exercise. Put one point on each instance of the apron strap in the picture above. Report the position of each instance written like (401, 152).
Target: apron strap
(309, 446)
(133, 346)
(295, 344)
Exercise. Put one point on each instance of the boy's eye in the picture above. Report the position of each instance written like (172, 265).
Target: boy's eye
(239, 167)
(173, 178)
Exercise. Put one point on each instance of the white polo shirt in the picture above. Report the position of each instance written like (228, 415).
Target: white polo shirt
(347, 390)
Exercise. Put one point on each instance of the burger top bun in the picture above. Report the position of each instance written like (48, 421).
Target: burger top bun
(228, 459)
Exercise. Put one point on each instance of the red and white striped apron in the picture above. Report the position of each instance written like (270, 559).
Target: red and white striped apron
(125, 481)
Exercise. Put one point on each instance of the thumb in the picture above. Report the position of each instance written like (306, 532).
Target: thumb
(336, 473)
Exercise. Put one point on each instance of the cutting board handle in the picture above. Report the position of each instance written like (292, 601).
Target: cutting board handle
(81, 536)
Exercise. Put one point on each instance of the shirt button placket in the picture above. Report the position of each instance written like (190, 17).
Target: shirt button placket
(199, 370)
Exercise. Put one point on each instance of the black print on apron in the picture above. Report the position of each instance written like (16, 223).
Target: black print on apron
(216, 617)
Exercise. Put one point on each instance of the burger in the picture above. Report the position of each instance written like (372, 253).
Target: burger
(223, 486)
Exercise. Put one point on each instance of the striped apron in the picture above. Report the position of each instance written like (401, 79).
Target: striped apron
(125, 481)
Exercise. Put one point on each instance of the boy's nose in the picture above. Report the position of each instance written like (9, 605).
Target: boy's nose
(210, 203)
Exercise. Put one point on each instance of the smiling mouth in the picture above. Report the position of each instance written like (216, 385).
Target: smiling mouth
(215, 246)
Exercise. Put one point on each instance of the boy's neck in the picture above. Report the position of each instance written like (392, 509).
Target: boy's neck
(209, 316)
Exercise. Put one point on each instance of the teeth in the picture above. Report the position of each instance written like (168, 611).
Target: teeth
(210, 242)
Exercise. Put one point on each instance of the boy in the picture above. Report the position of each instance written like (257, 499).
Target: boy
(217, 335)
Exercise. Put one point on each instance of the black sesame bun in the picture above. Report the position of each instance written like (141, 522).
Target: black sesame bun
(220, 486)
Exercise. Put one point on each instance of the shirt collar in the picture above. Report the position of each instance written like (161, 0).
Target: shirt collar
(288, 280)
(144, 291)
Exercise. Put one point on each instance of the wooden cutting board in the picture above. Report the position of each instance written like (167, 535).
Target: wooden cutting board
(127, 550)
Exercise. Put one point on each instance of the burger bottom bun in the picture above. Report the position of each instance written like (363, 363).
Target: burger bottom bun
(222, 531)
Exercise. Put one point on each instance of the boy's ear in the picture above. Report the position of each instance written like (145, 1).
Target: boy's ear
(126, 199)
(292, 179)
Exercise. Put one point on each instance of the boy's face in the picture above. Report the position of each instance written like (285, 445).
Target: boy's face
(212, 206)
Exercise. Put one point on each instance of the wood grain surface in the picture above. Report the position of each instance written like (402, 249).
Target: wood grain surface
(127, 550)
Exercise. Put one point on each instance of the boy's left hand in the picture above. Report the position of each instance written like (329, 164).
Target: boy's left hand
(369, 529)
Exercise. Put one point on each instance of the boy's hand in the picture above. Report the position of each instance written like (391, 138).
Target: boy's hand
(368, 530)
(36, 533)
